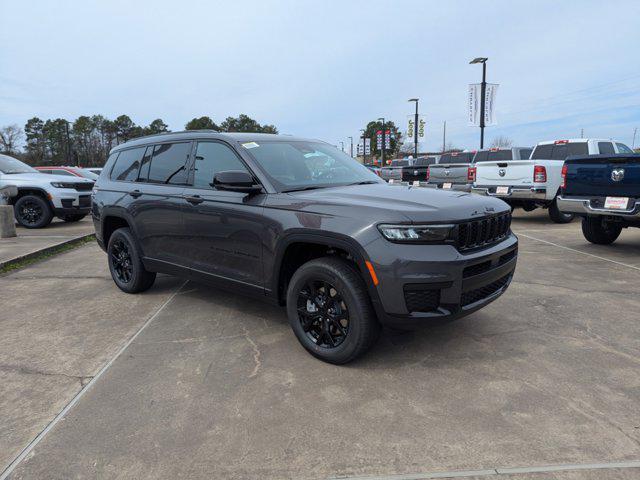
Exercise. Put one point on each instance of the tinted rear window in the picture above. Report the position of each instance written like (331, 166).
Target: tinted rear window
(425, 161)
(127, 165)
(606, 148)
(168, 164)
(463, 157)
(491, 156)
(525, 153)
(559, 151)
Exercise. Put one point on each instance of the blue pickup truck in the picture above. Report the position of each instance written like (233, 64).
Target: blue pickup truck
(605, 191)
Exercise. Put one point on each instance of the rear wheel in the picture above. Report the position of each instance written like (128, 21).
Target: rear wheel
(125, 264)
(330, 311)
(33, 211)
(73, 218)
(557, 216)
(598, 231)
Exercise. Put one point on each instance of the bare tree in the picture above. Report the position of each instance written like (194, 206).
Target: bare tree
(10, 136)
(501, 141)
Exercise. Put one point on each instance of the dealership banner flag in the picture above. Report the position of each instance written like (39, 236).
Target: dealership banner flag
(367, 146)
(473, 104)
(411, 128)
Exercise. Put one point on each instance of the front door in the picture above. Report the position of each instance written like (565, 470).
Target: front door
(224, 229)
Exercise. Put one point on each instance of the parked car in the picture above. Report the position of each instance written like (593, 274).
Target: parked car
(605, 191)
(69, 171)
(41, 197)
(343, 250)
(452, 172)
(393, 171)
(535, 182)
(374, 168)
(96, 170)
(419, 171)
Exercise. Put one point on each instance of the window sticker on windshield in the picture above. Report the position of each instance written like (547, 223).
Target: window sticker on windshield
(250, 145)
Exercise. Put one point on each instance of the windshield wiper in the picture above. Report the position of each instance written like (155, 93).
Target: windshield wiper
(366, 182)
(299, 189)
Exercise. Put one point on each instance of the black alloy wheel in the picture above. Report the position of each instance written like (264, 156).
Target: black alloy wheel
(120, 257)
(33, 211)
(323, 314)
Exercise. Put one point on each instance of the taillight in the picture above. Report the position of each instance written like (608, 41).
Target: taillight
(564, 177)
(539, 174)
(428, 173)
(471, 174)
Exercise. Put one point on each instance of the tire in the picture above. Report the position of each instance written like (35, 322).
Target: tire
(73, 218)
(597, 231)
(32, 211)
(353, 329)
(557, 216)
(125, 263)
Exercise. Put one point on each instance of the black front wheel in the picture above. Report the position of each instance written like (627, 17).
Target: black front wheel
(330, 311)
(598, 231)
(557, 216)
(33, 211)
(125, 264)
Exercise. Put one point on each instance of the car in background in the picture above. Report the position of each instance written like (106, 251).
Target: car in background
(452, 172)
(374, 168)
(605, 191)
(394, 171)
(41, 197)
(96, 170)
(419, 171)
(69, 171)
(535, 182)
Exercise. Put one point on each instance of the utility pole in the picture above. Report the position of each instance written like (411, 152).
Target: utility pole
(444, 136)
(351, 138)
(633, 144)
(415, 129)
(483, 90)
(383, 141)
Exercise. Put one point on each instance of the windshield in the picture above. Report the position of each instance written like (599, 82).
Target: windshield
(88, 174)
(297, 165)
(9, 165)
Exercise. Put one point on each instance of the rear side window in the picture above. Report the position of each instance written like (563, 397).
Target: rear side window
(559, 151)
(622, 148)
(168, 163)
(606, 148)
(211, 158)
(127, 165)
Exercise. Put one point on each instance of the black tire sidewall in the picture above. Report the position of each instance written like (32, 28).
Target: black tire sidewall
(45, 218)
(348, 349)
(594, 231)
(557, 216)
(136, 283)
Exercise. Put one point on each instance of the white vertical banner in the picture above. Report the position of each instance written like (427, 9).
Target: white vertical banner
(421, 128)
(411, 127)
(489, 104)
(473, 105)
(367, 146)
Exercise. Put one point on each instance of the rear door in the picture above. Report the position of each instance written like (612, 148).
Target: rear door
(224, 229)
(158, 206)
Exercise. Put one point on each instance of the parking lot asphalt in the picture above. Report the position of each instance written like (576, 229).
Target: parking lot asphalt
(216, 386)
(30, 241)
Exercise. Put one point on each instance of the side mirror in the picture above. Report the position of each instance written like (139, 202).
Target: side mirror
(235, 181)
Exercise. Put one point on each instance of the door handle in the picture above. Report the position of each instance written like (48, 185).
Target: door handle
(194, 199)
(135, 193)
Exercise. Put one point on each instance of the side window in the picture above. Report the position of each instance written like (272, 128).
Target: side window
(60, 171)
(168, 163)
(525, 153)
(213, 157)
(606, 148)
(622, 148)
(146, 163)
(44, 171)
(127, 165)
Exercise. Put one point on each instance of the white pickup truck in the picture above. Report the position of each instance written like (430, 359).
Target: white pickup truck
(535, 182)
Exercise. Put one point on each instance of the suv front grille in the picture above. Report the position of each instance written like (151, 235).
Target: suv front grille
(483, 232)
(473, 296)
(421, 300)
(84, 186)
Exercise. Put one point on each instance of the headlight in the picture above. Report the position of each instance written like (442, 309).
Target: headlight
(62, 185)
(416, 233)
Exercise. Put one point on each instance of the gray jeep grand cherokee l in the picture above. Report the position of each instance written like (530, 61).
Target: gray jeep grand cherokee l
(299, 223)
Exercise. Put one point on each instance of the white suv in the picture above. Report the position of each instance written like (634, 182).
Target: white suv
(42, 196)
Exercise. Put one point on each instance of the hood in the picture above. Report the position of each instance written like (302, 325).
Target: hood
(402, 203)
(43, 177)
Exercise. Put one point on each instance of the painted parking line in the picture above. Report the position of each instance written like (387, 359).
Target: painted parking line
(578, 251)
(496, 472)
(16, 461)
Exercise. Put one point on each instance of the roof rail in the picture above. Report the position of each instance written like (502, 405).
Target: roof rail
(173, 133)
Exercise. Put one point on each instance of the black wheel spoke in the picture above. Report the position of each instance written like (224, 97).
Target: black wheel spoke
(120, 256)
(321, 313)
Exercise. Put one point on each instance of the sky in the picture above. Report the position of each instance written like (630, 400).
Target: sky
(323, 69)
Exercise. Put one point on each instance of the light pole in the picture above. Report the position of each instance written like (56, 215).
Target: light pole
(415, 129)
(364, 146)
(383, 142)
(351, 138)
(342, 146)
(483, 88)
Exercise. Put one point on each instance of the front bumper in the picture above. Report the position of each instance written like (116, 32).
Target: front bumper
(517, 193)
(584, 206)
(422, 284)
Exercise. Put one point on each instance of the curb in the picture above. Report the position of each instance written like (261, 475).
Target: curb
(44, 252)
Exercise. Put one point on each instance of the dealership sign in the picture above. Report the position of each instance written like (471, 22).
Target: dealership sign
(474, 104)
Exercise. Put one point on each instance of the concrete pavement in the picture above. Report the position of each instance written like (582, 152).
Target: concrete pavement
(216, 386)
